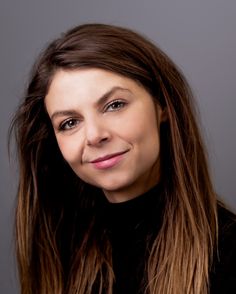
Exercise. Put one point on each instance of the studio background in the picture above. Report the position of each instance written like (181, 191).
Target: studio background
(198, 35)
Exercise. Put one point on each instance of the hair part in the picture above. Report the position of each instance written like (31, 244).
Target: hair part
(51, 198)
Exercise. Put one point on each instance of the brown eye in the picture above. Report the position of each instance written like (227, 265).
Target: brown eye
(115, 105)
(69, 124)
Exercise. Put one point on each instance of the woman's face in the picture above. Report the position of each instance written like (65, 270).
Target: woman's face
(107, 128)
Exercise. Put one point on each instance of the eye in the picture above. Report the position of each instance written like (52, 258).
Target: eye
(68, 124)
(115, 105)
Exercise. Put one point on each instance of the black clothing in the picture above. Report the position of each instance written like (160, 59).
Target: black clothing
(133, 224)
(223, 274)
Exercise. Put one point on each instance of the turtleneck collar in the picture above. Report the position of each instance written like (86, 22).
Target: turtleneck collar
(131, 227)
(143, 210)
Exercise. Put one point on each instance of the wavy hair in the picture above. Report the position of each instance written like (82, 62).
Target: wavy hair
(61, 244)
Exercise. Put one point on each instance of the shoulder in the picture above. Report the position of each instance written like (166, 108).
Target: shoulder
(227, 232)
(223, 276)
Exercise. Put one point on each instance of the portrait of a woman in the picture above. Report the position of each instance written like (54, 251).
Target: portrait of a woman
(115, 194)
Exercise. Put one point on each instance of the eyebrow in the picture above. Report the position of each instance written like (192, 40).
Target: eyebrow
(100, 101)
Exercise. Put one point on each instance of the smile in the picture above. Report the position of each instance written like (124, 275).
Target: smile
(108, 161)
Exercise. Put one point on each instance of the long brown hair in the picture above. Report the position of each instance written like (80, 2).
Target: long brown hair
(61, 244)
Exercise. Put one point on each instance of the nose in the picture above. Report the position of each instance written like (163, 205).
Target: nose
(97, 132)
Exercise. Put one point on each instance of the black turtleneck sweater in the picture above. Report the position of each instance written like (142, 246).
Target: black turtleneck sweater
(133, 224)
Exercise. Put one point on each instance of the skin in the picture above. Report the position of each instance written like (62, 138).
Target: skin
(96, 113)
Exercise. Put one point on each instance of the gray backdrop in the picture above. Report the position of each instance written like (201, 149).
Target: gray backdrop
(200, 37)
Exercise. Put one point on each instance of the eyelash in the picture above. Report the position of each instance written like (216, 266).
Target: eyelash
(120, 102)
(64, 126)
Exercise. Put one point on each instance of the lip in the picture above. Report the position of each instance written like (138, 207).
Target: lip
(108, 161)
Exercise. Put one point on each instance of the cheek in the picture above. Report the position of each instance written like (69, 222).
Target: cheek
(71, 149)
(142, 129)
(147, 140)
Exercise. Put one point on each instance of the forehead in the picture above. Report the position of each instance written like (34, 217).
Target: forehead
(85, 79)
(85, 85)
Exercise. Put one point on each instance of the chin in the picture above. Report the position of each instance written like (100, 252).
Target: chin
(108, 184)
(112, 187)
(114, 184)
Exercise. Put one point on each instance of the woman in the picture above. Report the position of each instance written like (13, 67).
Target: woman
(114, 193)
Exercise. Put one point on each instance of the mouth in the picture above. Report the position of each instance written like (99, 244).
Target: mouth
(108, 161)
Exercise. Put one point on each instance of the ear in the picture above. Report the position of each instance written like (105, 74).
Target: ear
(161, 113)
(164, 115)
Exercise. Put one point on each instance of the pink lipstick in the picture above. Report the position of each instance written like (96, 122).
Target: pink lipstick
(108, 161)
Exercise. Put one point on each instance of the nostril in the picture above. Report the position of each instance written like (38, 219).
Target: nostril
(98, 140)
(104, 139)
